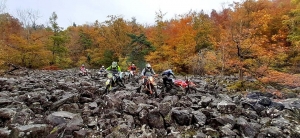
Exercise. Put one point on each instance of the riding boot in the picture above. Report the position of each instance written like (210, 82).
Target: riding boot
(120, 83)
(139, 89)
(156, 96)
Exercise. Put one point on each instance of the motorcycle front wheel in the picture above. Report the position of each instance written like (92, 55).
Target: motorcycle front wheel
(154, 90)
(108, 85)
(106, 91)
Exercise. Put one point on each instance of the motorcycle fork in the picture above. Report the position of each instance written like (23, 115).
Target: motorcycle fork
(110, 84)
(148, 87)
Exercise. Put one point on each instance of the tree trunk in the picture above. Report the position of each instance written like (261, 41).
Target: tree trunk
(241, 74)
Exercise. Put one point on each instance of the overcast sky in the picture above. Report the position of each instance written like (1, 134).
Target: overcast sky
(88, 11)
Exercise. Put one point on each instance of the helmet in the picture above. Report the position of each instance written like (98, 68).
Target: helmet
(82, 65)
(170, 71)
(114, 64)
(132, 64)
(148, 65)
(102, 66)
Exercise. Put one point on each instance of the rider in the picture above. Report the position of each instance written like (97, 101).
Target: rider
(166, 76)
(83, 69)
(102, 69)
(115, 69)
(132, 69)
(148, 71)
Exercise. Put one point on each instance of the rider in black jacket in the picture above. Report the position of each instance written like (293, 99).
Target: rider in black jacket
(166, 76)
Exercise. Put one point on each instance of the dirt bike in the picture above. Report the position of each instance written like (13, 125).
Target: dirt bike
(186, 86)
(129, 76)
(102, 73)
(132, 73)
(125, 77)
(85, 72)
(149, 86)
(113, 80)
(133, 76)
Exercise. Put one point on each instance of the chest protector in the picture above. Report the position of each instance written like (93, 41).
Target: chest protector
(114, 70)
(148, 72)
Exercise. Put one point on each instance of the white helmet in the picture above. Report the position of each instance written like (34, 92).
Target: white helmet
(114, 64)
(148, 65)
(102, 66)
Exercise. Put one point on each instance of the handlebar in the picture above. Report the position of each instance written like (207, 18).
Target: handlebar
(155, 75)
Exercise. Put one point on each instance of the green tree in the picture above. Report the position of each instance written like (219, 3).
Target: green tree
(293, 23)
(140, 47)
(57, 45)
(85, 40)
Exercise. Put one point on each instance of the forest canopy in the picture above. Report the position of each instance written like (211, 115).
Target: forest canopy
(257, 38)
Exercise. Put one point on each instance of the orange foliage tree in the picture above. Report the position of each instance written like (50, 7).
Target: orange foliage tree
(174, 49)
(250, 41)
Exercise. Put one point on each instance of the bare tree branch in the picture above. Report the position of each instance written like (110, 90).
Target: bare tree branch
(28, 17)
(2, 6)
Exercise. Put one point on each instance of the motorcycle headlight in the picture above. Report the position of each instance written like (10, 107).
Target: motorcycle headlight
(151, 78)
(107, 82)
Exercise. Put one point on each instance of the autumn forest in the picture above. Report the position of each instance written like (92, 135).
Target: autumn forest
(257, 38)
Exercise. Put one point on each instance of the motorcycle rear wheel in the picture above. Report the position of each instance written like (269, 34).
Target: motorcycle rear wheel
(190, 90)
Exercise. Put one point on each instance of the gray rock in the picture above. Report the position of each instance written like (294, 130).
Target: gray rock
(280, 122)
(129, 107)
(7, 113)
(226, 119)
(182, 117)
(271, 131)
(66, 98)
(80, 134)
(246, 128)
(199, 117)
(227, 130)
(164, 108)
(93, 105)
(265, 101)
(5, 132)
(226, 107)
(32, 130)
(205, 101)
(61, 117)
(155, 119)
(4, 102)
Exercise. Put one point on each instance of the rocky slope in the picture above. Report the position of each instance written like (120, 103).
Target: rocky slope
(60, 104)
